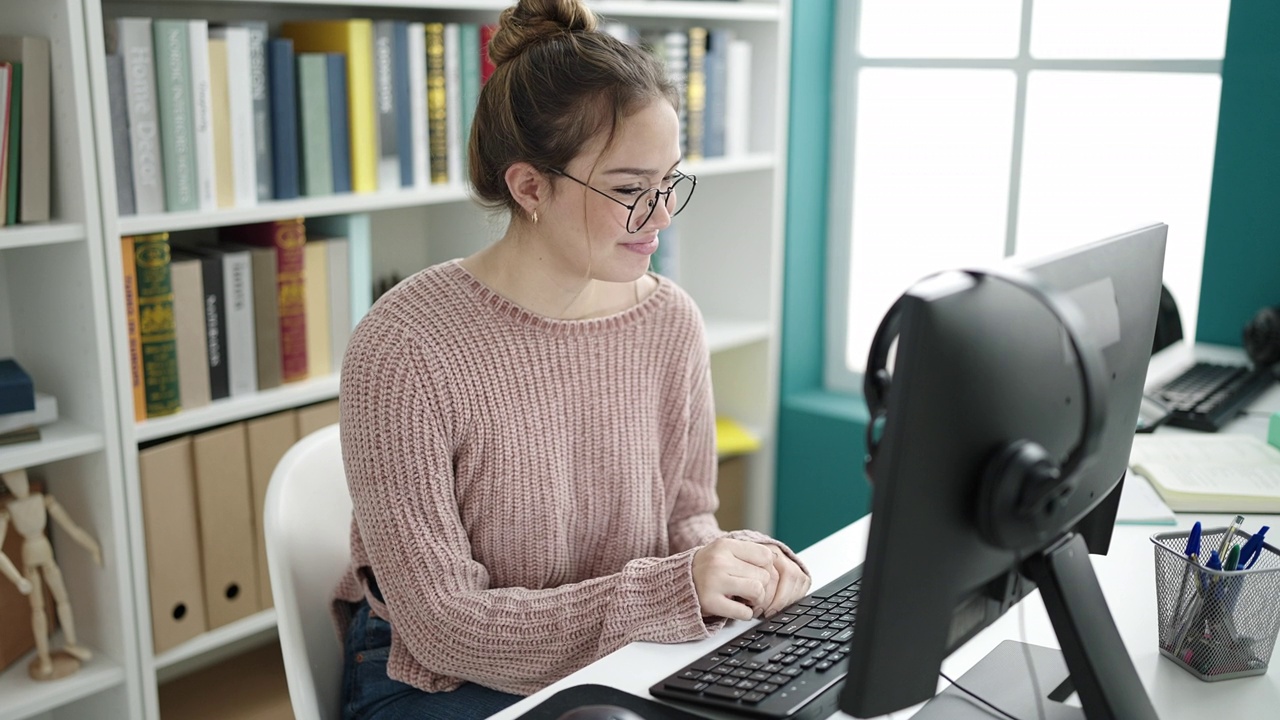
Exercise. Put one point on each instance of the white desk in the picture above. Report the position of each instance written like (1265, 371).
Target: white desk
(1126, 574)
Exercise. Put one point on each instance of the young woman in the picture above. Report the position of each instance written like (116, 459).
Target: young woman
(528, 433)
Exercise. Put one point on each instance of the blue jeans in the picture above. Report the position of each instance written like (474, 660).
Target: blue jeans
(369, 694)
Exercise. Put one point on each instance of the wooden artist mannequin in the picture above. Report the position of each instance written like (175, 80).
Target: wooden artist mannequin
(29, 513)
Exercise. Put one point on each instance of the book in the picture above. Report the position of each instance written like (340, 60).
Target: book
(358, 232)
(9, 201)
(1210, 472)
(313, 124)
(453, 102)
(130, 267)
(22, 435)
(417, 44)
(486, 63)
(213, 283)
(287, 238)
(220, 121)
(159, 346)
(172, 41)
(339, 128)
(316, 273)
(134, 43)
(33, 173)
(6, 77)
(437, 118)
(696, 94)
(717, 65)
(202, 115)
(244, 161)
(469, 52)
(190, 334)
(44, 412)
(284, 118)
(354, 39)
(260, 89)
(339, 299)
(384, 82)
(119, 136)
(17, 391)
(402, 91)
(236, 325)
(737, 99)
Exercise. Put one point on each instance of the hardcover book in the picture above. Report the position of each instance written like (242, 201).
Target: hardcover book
(134, 44)
(33, 54)
(17, 392)
(156, 324)
(287, 238)
(284, 117)
(174, 103)
(128, 260)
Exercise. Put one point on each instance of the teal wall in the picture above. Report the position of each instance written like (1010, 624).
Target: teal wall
(1242, 248)
(820, 484)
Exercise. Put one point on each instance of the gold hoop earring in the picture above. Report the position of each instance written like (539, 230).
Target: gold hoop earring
(535, 217)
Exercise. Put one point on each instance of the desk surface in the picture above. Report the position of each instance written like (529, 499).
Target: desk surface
(1126, 574)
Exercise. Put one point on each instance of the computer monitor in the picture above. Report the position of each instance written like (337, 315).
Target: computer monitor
(966, 517)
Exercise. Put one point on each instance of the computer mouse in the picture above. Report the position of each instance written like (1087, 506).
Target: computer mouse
(600, 712)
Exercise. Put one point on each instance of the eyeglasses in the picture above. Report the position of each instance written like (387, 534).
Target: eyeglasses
(675, 197)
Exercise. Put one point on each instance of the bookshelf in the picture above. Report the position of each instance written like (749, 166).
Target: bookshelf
(62, 308)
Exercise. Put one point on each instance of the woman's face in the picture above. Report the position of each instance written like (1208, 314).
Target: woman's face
(588, 232)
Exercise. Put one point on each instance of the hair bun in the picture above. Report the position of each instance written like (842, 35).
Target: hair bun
(532, 21)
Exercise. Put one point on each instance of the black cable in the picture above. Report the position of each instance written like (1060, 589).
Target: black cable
(975, 696)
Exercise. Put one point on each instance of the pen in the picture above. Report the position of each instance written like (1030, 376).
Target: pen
(1253, 549)
(1233, 558)
(1226, 538)
(1193, 556)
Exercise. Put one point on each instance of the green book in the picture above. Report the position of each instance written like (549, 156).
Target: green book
(177, 113)
(313, 124)
(15, 145)
(156, 324)
(469, 50)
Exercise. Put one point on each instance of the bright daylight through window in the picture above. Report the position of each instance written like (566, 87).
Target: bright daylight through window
(966, 132)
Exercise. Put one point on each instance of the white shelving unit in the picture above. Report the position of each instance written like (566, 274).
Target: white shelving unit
(54, 321)
(62, 311)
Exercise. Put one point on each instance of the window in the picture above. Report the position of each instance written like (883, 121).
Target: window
(967, 132)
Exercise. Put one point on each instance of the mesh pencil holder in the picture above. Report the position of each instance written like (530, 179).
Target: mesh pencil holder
(1217, 625)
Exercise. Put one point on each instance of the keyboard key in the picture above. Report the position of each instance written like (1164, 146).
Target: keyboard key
(808, 662)
(709, 677)
(784, 618)
(809, 602)
(844, 636)
(733, 662)
(728, 681)
(730, 651)
(707, 663)
(772, 627)
(753, 697)
(772, 667)
(810, 644)
(787, 659)
(759, 676)
(830, 646)
(725, 692)
(741, 673)
(779, 679)
(753, 665)
(686, 685)
(759, 646)
(824, 666)
(793, 627)
(819, 654)
(816, 633)
(793, 671)
(747, 685)
(766, 688)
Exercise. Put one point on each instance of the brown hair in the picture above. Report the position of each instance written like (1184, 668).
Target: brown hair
(558, 82)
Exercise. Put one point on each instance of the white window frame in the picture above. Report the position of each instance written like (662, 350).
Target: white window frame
(848, 61)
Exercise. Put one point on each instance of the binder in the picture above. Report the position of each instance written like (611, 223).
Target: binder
(314, 417)
(269, 438)
(166, 476)
(226, 524)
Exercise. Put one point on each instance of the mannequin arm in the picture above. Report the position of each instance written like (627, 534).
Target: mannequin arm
(6, 565)
(79, 535)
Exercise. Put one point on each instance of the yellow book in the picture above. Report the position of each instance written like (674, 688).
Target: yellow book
(734, 439)
(315, 271)
(220, 102)
(353, 38)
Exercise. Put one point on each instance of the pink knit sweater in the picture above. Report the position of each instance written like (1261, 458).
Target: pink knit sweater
(528, 492)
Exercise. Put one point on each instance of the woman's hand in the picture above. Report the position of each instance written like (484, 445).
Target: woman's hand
(736, 579)
(792, 585)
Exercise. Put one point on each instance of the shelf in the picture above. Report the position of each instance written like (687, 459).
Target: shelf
(16, 236)
(729, 334)
(231, 409)
(752, 11)
(24, 697)
(60, 440)
(369, 202)
(302, 207)
(247, 629)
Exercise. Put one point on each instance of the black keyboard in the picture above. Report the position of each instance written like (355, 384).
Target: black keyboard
(1207, 396)
(789, 666)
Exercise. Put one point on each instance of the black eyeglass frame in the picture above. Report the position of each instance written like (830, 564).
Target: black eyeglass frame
(631, 209)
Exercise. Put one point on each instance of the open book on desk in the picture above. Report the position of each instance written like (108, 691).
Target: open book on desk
(1210, 473)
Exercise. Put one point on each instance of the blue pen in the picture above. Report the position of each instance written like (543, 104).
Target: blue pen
(1193, 540)
(1253, 549)
(1193, 558)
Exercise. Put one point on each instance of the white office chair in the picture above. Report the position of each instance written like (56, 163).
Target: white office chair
(307, 524)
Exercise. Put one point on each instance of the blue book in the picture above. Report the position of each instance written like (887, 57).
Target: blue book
(400, 85)
(358, 232)
(17, 393)
(339, 129)
(284, 118)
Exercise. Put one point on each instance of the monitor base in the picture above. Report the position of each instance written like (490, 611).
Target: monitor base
(1003, 679)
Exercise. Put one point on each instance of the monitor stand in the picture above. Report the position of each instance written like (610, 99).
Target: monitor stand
(1093, 660)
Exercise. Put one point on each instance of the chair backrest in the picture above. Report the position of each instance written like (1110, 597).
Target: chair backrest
(307, 523)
